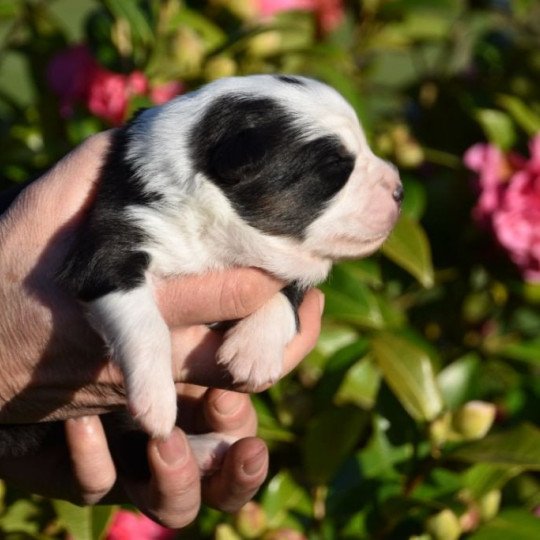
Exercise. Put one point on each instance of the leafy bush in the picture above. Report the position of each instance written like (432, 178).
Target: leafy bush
(416, 415)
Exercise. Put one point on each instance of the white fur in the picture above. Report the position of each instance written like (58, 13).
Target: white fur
(140, 344)
(254, 347)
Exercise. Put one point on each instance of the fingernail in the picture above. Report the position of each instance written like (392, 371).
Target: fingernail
(172, 450)
(227, 403)
(255, 464)
(83, 422)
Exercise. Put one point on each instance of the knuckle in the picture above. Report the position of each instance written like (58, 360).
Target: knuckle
(238, 297)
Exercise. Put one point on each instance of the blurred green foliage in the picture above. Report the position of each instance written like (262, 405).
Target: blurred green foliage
(416, 417)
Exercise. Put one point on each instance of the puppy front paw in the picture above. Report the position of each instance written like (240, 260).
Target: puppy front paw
(254, 347)
(154, 407)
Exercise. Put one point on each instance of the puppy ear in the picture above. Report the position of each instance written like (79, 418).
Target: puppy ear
(239, 156)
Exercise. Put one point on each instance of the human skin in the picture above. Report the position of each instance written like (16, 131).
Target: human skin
(54, 367)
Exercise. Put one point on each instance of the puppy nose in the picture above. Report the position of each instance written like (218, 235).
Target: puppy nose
(398, 194)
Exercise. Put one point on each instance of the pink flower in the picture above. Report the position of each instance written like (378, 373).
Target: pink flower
(509, 201)
(76, 77)
(162, 93)
(129, 525)
(329, 13)
(69, 75)
(109, 94)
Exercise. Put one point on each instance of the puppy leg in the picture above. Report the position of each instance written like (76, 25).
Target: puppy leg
(254, 347)
(140, 343)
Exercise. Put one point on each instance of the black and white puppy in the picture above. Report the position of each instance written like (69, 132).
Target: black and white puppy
(266, 171)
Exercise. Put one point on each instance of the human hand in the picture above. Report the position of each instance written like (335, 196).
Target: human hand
(53, 366)
(83, 471)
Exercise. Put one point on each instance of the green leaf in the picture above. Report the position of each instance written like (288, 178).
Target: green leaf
(524, 351)
(409, 248)
(517, 447)
(528, 119)
(21, 517)
(379, 457)
(458, 380)
(414, 203)
(212, 34)
(84, 522)
(512, 524)
(482, 478)
(330, 438)
(498, 127)
(335, 371)
(282, 494)
(360, 385)
(349, 299)
(408, 371)
(131, 12)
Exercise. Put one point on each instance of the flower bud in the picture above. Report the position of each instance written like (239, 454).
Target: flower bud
(444, 525)
(265, 44)
(250, 520)
(474, 419)
(439, 429)
(218, 67)
(489, 504)
(225, 532)
(409, 154)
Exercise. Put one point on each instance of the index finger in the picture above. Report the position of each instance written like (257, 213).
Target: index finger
(213, 297)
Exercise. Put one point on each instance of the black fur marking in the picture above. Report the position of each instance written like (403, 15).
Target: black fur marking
(106, 253)
(255, 151)
(295, 295)
(289, 79)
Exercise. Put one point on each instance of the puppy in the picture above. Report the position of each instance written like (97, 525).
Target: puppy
(266, 171)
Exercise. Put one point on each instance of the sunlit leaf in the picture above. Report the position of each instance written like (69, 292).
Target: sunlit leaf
(84, 522)
(360, 384)
(458, 380)
(522, 114)
(498, 127)
(408, 371)
(517, 447)
(483, 478)
(408, 247)
(282, 494)
(514, 524)
(329, 439)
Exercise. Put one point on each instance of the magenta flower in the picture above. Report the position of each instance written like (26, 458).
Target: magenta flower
(76, 77)
(509, 201)
(329, 13)
(129, 525)
(109, 94)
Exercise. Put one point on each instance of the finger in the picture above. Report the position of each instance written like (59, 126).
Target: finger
(219, 296)
(91, 461)
(195, 348)
(173, 495)
(227, 412)
(244, 469)
(309, 314)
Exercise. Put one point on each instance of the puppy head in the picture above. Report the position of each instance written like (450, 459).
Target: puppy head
(292, 159)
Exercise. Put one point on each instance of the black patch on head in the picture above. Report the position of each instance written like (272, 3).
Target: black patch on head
(289, 79)
(255, 151)
(106, 255)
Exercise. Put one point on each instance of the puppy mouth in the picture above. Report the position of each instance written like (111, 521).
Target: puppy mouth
(347, 246)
